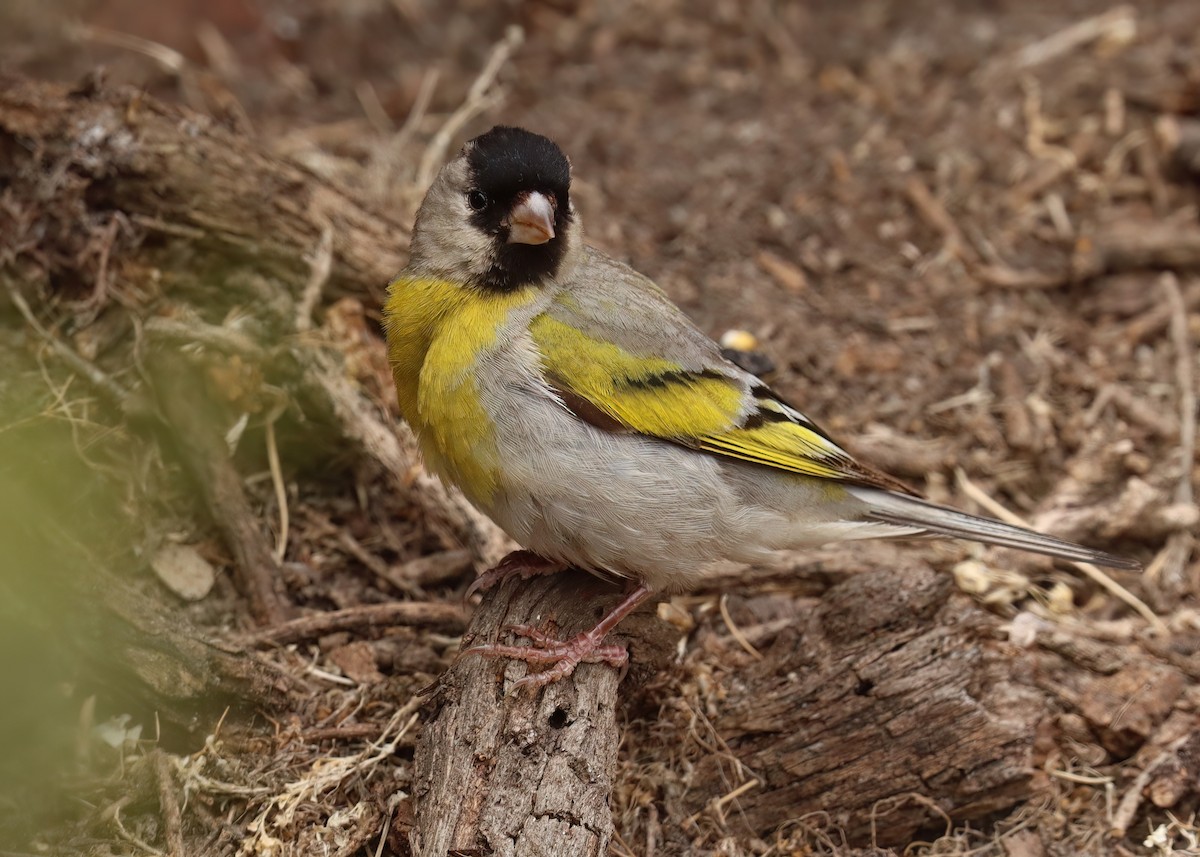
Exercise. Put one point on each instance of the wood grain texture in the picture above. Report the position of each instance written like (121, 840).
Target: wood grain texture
(892, 687)
(529, 773)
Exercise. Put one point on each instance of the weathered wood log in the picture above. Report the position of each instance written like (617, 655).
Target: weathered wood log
(527, 773)
(892, 697)
(202, 199)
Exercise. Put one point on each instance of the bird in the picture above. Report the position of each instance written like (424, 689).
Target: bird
(573, 403)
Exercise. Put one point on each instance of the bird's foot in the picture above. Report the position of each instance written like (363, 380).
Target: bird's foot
(565, 655)
(521, 564)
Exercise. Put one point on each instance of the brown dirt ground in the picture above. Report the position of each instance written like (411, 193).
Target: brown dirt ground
(896, 199)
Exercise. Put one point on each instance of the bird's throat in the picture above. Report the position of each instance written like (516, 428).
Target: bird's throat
(436, 334)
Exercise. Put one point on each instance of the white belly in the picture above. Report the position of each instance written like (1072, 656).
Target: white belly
(649, 509)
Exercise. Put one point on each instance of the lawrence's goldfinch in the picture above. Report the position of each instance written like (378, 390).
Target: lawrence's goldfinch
(577, 406)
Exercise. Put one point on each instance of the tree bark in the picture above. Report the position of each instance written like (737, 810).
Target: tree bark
(892, 702)
(528, 773)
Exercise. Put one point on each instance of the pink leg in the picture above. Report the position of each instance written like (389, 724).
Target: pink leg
(565, 655)
(522, 564)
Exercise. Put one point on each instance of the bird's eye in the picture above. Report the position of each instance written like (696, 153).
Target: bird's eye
(477, 199)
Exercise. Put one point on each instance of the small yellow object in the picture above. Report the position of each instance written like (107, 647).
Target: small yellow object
(1060, 600)
(739, 340)
(669, 611)
(972, 577)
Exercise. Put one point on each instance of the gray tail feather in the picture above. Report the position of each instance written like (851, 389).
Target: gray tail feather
(903, 511)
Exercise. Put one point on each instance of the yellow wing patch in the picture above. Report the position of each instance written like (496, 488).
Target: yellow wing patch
(705, 410)
(787, 446)
(648, 395)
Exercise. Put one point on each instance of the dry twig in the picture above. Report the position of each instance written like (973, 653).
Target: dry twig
(114, 392)
(277, 484)
(735, 631)
(1169, 567)
(1132, 799)
(320, 264)
(480, 98)
(935, 215)
(1117, 25)
(433, 614)
(168, 802)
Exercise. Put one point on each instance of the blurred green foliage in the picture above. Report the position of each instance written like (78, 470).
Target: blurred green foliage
(58, 513)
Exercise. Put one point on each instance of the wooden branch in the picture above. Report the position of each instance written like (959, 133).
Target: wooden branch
(529, 773)
(439, 615)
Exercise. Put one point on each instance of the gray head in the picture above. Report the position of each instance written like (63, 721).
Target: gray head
(499, 216)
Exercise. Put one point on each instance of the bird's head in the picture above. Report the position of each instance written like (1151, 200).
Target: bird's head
(499, 216)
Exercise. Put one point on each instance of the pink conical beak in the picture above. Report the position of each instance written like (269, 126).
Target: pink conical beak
(531, 220)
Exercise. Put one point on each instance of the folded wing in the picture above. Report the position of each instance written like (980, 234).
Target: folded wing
(693, 398)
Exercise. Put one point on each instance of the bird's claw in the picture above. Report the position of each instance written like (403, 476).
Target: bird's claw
(563, 655)
(522, 564)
